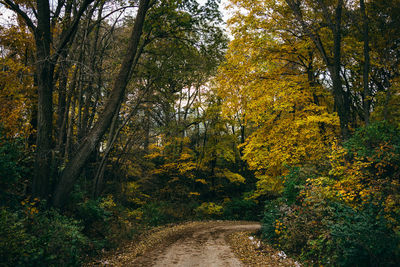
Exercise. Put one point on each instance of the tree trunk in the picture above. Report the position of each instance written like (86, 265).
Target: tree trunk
(44, 70)
(366, 67)
(44, 74)
(99, 177)
(90, 142)
(340, 97)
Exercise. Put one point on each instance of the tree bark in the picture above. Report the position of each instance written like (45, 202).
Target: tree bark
(340, 98)
(366, 67)
(90, 142)
(44, 70)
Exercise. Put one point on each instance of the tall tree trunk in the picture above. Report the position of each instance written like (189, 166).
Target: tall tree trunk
(68, 141)
(62, 101)
(44, 70)
(366, 67)
(341, 100)
(89, 110)
(99, 177)
(90, 142)
(387, 100)
(147, 117)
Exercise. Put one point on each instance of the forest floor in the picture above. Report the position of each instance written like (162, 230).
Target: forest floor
(208, 244)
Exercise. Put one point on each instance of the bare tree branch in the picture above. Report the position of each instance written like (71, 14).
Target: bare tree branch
(15, 7)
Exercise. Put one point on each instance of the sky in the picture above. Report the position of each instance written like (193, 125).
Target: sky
(5, 15)
(222, 7)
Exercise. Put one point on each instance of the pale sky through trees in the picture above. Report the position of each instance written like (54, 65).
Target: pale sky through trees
(6, 16)
(222, 8)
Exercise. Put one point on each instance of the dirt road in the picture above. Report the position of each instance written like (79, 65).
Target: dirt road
(204, 245)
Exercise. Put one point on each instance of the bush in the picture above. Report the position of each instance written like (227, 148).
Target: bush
(378, 144)
(294, 182)
(366, 139)
(209, 210)
(44, 239)
(155, 214)
(332, 233)
(241, 209)
(57, 240)
(285, 209)
(362, 238)
(347, 215)
(14, 241)
(13, 169)
(91, 211)
(272, 214)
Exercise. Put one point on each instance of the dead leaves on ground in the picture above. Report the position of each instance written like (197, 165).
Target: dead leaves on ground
(253, 253)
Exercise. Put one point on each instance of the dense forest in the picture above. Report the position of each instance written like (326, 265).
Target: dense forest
(117, 116)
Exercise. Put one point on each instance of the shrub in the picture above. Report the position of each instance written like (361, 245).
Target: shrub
(362, 238)
(379, 145)
(306, 233)
(241, 209)
(14, 241)
(98, 222)
(45, 239)
(209, 210)
(293, 182)
(366, 139)
(56, 240)
(13, 168)
(92, 211)
(332, 233)
(155, 214)
(272, 214)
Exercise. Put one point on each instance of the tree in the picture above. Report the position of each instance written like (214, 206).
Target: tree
(16, 81)
(44, 71)
(331, 18)
(271, 78)
(74, 167)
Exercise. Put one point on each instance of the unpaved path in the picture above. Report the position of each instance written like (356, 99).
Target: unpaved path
(204, 245)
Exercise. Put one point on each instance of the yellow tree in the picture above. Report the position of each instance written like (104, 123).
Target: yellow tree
(16, 80)
(270, 77)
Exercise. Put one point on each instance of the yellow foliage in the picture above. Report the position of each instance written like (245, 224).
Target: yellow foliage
(136, 214)
(186, 167)
(209, 208)
(202, 181)
(17, 92)
(265, 81)
(231, 176)
(185, 156)
(351, 182)
(133, 193)
(279, 227)
(30, 206)
(108, 202)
